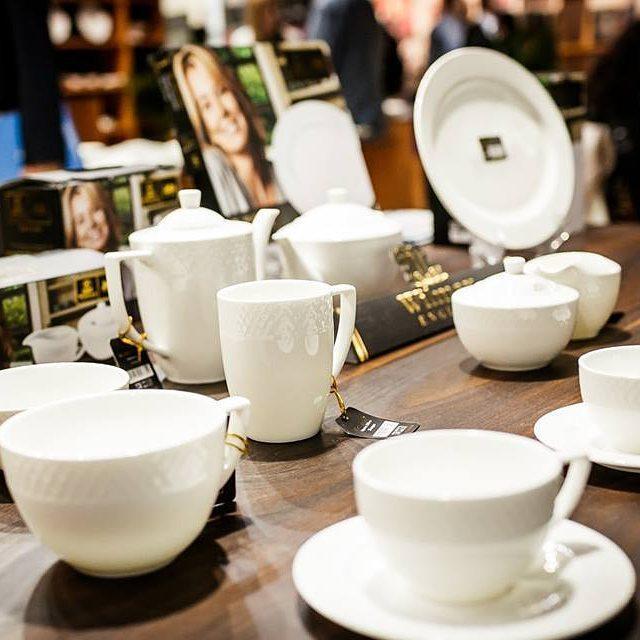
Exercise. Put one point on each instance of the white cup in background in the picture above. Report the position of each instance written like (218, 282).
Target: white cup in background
(610, 388)
(462, 514)
(55, 344)
(278, 351)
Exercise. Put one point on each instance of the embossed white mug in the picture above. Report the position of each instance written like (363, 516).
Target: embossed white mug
(278, 351)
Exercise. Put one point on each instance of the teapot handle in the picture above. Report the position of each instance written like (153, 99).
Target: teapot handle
(346, 325)
(112, 262)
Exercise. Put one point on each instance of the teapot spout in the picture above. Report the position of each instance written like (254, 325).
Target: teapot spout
(261, 229)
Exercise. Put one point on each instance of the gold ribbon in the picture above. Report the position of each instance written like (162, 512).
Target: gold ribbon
(339, 398)
(243, 447)
(138, 344)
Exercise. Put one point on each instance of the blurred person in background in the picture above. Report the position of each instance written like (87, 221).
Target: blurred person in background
(265, 19)
(454, 30)
(28, 87)
(613, 98)
(357, 51)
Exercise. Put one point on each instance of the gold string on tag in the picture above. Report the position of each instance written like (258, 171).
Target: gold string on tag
(243, 447)
(339, 398)
(138, 344)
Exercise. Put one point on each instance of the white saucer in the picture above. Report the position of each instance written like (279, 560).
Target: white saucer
(340, 574)
(569, 428)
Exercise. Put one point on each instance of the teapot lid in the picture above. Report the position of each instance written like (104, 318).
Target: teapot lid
(191, 222)
(515, 289)
(339, 220)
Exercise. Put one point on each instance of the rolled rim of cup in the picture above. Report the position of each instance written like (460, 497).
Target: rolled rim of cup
(613, 362)
(261, 291)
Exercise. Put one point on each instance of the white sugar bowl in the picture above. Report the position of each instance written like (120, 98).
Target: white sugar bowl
(513, 321)
(595, 277)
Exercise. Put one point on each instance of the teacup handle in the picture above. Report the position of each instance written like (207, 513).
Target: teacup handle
(112, 262)
(346, 325)
(237, 408)
(573, 486)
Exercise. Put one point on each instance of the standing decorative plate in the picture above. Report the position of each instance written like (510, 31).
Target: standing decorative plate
(316, 148)
(495, 147)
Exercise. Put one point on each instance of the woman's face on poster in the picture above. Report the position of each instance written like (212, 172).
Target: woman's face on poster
(90, 224)
(221, 114)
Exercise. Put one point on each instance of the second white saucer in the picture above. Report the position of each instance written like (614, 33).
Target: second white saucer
(341, 575)
(570, 428)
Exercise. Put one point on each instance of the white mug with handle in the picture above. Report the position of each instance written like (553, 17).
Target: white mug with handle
(278, 351)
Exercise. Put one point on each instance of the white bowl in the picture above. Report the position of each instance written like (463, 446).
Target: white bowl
(35, 385)
(120, 483)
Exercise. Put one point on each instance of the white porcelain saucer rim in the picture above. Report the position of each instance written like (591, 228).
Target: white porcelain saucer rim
(563, 529)
(619, 460)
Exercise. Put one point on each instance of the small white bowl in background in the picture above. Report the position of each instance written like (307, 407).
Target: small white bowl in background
(35, 385)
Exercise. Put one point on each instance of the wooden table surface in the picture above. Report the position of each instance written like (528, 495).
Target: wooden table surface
(235, 580)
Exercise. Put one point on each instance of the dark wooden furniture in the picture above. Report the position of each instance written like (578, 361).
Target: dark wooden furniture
(235, 582)
(106, 111)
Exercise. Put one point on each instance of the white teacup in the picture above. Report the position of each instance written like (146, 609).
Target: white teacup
(610, 388)
(119, 484)
(278, 350)
(462, 514)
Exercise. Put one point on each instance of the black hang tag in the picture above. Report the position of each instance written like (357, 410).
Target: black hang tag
(142, 375)
(363, 425)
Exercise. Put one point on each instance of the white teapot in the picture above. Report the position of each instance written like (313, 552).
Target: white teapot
(96, 328)
(342, 242)
(178, 267)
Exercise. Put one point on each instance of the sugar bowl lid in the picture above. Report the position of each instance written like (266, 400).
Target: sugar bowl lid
(339, 220)
(514, 289)
(191, 222)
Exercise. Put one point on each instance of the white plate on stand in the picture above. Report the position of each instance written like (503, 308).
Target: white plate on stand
(315, 147)
(495, 147)
(570, 427)
(340, 574)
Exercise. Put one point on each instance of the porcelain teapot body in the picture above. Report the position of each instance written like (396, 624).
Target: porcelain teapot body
(342, 242)
(178, 267)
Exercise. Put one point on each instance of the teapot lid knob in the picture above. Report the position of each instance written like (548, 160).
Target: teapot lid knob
(514, 264)
(337, 195)
(189, 198)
